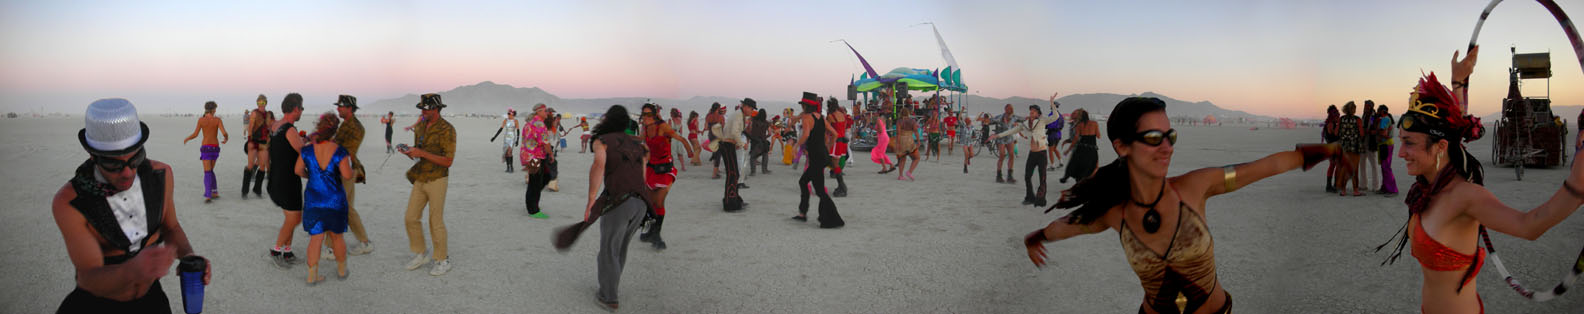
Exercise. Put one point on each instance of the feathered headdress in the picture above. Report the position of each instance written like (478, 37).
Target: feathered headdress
(1435, 110)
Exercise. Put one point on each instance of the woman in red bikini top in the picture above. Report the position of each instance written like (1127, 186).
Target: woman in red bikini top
(1448, 205)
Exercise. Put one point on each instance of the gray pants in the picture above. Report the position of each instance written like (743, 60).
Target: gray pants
(616, 230)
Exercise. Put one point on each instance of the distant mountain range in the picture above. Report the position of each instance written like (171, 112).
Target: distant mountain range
(491, 98)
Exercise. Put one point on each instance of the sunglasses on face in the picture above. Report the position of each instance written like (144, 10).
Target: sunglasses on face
(1155, 137)
(116, 165)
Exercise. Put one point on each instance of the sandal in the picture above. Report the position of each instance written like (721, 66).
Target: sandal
(1357, 193)
(314, 278)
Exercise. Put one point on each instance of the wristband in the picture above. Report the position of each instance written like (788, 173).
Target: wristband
(1035, 238)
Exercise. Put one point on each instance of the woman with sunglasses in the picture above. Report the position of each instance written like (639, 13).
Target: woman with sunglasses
(1153, 213)
(1448, 205)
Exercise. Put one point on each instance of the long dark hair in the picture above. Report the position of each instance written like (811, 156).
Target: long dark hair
(1110, 185)
(615, 120)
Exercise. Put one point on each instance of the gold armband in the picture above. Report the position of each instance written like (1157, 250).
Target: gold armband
(1230, 172)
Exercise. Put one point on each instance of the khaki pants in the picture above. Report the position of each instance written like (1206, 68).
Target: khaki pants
(432, 193)
(353, 221)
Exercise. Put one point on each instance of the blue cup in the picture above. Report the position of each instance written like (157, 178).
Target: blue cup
(191, 270)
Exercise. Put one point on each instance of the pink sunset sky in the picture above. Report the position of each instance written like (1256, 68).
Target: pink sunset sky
(1277, 58)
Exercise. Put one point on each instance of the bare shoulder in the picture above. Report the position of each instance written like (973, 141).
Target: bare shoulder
(62, 201)
(1466, 193)
(160, 166)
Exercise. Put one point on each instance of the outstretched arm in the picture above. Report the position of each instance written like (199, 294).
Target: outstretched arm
(1527, 225)
(1219, 180)
(1060, 230)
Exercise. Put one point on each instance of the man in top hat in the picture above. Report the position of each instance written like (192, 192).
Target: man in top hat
(434, 146)
(730, 137)
(350, 136)
(117, 217)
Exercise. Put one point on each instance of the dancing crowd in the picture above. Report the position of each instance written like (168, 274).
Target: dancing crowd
(122, 235)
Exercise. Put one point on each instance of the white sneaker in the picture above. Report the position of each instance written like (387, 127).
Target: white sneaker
(418, 261)
(362, 248)
(440, 268)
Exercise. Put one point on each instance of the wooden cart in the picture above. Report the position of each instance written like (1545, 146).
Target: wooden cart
(1528, 134)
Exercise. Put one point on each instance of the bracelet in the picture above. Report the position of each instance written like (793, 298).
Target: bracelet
(1036, 238)
(1568, 186)
(1230, 173)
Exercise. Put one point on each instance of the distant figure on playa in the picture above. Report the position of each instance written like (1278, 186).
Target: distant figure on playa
(434, 147)
(882, 144)
(712, 119)
(693, 135)
(553, 166)
(1004, 145)
(1384, 126)
(906, 142)
(257, 134)
(1369, 162)
(729, 134)
(1153, 213)
(207, 125)
(1331, 133)
(285, 186)
(119, 259)
(388, 120)
(1087, 151)
(839, 123)
(677, 125)
(1350, 131)
(758, 143)
(510, 126)
(584, 126)
(325, 165)
(1053, 132)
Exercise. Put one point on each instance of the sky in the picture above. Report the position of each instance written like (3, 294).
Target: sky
(1277, 58)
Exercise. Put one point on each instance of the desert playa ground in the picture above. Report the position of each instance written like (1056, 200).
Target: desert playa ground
(947, 243)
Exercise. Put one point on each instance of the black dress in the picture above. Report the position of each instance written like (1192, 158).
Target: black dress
(285, 187)
(1084, 159)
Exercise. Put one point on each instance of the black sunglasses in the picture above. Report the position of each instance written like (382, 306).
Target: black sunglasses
(1154, 137)
(115, 165)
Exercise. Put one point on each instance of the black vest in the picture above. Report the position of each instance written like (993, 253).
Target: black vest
(99, 215)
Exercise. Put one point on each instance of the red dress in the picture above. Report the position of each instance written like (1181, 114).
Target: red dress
(839, 148)
(659, 159)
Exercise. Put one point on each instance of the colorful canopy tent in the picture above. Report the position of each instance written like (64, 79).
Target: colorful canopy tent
(1210, 119)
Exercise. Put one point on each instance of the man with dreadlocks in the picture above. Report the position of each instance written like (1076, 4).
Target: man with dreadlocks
(1448, 205)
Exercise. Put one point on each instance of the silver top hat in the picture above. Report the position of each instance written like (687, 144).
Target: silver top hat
(111, 127)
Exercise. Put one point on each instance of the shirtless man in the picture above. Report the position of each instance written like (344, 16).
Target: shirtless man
(207, 124)
(117, 218)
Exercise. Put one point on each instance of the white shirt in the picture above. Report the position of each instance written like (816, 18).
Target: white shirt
(130, 213)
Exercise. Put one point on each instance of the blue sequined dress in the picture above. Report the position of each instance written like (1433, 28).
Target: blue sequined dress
(324, 200)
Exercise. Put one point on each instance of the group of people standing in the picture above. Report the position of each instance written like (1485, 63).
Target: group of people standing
(1366, 142)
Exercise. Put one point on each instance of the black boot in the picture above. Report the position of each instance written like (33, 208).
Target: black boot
(1010, 179)
(653, 236)
(258, 183)
(247, 177)
(508, 167)
(1329, 188)
(998, 177)
(841, 185)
